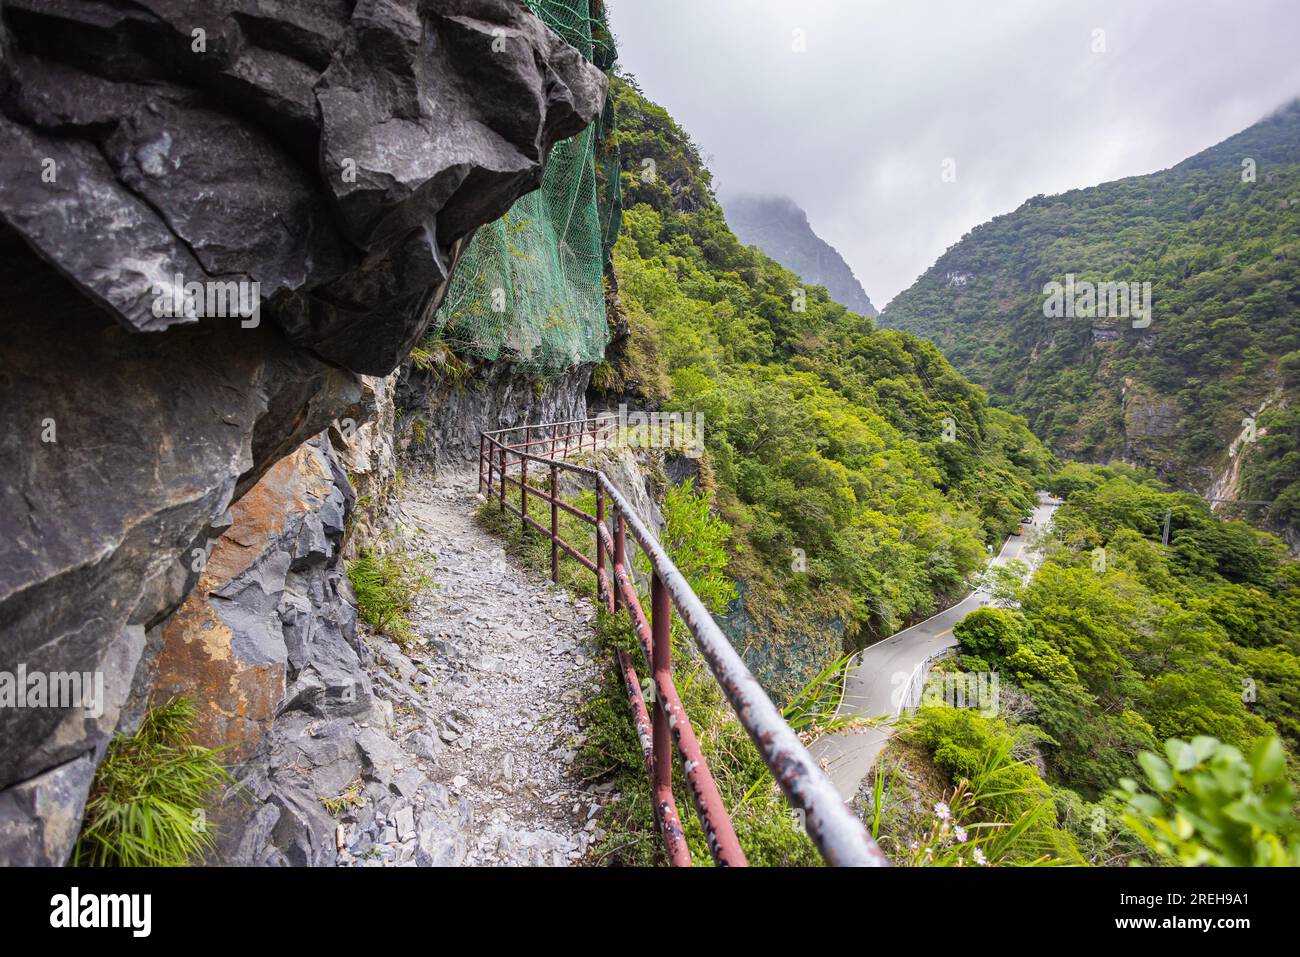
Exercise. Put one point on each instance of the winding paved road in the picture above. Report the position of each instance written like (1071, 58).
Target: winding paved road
(875, 685)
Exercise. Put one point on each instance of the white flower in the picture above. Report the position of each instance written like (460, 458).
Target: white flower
(961, 833)
(980, 859)
(941, 809)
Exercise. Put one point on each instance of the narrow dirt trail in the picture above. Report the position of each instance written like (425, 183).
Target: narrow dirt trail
(503, 663)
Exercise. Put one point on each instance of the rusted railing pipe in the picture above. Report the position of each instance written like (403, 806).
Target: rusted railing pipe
(665, 805)
(620, 543)
(502, 477)
(837, 833)
(661, 669)
(523, 484)
(724, 846)
(602, 584)
(555, 526)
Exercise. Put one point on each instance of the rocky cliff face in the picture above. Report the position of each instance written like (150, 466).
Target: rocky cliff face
(269, 628)
(267, 646)
(441, 417)
(776, 225)
(216, 220)
(367, 451)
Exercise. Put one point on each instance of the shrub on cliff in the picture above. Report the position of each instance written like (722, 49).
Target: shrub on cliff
(1214, 805)
(385, 587)
(146, 805)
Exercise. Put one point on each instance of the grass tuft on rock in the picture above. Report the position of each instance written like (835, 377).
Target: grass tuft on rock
(146, 804)
(386, 586)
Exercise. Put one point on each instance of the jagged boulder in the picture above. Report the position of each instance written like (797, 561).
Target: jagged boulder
(271, 625)
(331, 152)
(337, 155)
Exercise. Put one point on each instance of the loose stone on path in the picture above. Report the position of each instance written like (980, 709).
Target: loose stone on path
(484, 707)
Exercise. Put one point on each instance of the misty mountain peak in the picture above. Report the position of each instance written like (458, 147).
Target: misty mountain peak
(779, 226)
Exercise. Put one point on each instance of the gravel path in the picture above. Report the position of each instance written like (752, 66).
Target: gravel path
(485, 704)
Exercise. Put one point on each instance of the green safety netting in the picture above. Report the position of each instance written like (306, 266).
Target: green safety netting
(529, 287)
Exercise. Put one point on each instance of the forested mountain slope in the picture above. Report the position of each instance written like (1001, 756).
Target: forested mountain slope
(1121, 648)
(779, 226)
(861, 476)
(825, 441)
(1218, 238)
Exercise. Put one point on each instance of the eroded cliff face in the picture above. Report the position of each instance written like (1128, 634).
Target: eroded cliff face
(269, 626)
(338, 155)
(441, 418)
(267, 647)
(1150, 422)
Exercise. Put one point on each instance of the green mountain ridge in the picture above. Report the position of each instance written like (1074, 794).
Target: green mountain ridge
(850, 514)
(1218, 238)
(852, 483)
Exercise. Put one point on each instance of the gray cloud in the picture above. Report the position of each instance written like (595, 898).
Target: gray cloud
(856, 128)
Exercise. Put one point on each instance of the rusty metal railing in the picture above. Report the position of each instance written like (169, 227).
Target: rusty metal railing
(838, 835)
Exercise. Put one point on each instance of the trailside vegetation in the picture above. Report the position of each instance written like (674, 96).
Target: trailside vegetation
(146, 806)
(863, 479)
(1123, 649)
(386, 585)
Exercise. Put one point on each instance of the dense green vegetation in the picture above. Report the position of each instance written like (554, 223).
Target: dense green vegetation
(1119, 643)
(1215, 806)
(386, 585)
(853, 481)
(863, 478)
(146, 804)
(1223, 256)
(1003, 791)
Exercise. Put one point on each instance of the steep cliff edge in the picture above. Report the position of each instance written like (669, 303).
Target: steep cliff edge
(313, 163)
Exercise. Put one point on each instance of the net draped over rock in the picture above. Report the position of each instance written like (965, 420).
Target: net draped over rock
(529, 287)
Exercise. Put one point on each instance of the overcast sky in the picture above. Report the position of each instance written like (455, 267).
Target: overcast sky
(857, 128)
